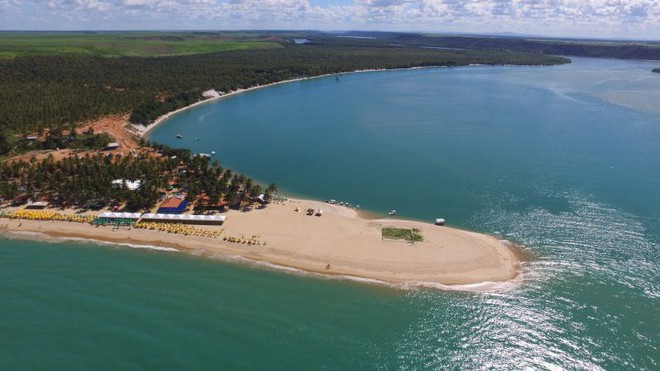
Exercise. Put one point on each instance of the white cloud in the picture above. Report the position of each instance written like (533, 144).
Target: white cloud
(596, 18)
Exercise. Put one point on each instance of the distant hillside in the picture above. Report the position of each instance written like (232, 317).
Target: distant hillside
(656, 70)
(129, 44)
(578, 48)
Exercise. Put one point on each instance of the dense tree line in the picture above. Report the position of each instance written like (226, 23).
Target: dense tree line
(51, 91)
(656, 70)
(87, 181)
(55, 139)
(578, 48)
(147, 113)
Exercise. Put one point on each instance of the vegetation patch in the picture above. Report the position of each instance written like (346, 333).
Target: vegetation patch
(125, 44)
(87, 182)
(657, 70)
(411, 235)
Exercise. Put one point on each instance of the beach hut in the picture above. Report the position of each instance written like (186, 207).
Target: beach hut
(111, 146)
(173, 205)
(131, 185)
(36, 205)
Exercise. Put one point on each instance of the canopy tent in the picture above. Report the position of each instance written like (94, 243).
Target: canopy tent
(191, 219)
(176, 218)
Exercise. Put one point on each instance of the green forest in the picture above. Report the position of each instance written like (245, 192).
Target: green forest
(51, 91)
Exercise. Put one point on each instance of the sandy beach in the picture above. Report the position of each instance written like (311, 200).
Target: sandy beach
(339, 242)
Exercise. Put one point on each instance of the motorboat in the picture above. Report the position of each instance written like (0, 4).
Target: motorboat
(179, 136)
(392, 213)
(439, 221)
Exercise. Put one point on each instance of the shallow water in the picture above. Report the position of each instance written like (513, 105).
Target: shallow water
(564, 160)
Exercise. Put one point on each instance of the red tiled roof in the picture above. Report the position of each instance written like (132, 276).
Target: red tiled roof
(172, 202)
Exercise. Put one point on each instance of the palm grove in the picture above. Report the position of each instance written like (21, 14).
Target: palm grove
(87, 181)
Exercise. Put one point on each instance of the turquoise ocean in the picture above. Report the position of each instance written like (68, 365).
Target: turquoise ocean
(563, 160)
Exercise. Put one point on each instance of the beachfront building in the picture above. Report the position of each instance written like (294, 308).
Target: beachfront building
(111, 146)
(204, 203)
(211, 94)
(173, 205)
(110, 217)
(39, 205)
(131, 185)
(185, 219)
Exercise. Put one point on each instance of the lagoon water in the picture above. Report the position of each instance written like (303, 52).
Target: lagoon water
(563, 160)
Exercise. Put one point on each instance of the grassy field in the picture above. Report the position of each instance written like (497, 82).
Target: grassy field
(128, 44)
(410, 235)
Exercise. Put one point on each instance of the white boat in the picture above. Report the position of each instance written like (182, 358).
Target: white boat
(179, 136)
(439, 221)
(392, 213)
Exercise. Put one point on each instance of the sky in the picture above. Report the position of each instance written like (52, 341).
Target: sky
(613, 19)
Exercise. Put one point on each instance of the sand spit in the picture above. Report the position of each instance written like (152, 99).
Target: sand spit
(339, 242)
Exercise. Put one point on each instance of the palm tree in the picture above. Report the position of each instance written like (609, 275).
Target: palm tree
(270, 190)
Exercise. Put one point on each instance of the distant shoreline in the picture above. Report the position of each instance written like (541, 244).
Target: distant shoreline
(161, 119)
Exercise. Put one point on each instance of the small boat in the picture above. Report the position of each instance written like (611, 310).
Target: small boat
(337, 78)
(213, 152)
(196, 139)
(439, 221)
(179, 136)
(392, 213)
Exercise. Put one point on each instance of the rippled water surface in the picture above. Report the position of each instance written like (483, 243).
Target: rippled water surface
(563, 160)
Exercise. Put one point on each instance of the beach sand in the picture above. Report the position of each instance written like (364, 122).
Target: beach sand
(339, 242)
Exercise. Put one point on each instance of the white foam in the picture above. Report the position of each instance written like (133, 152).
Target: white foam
(487, 286)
